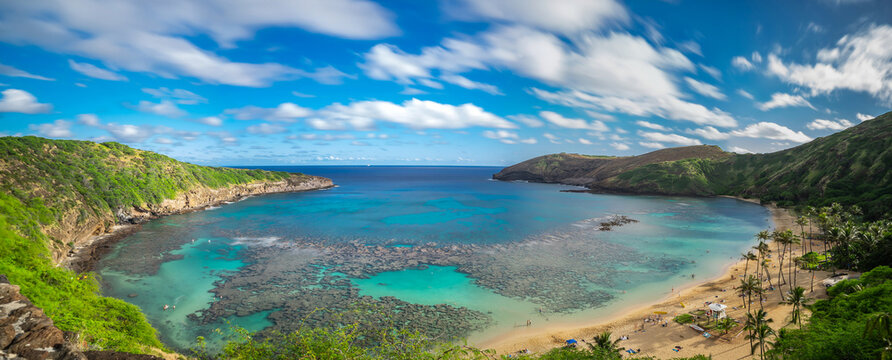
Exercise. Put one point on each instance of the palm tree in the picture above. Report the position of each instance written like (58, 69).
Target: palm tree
(792, 240)
(759, 331)
(780, 237)
(881, 324)
(797, 299)
(768, 275)
(603, 342)
(748, 256)
(748, 287)
(802, 221)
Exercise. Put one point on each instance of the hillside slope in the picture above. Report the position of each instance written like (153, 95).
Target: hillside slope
(55, 194)
(853, 166)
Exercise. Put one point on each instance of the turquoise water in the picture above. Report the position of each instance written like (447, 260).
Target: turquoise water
(538, 255)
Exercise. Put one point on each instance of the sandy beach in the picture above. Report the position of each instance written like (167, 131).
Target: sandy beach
(655, 340)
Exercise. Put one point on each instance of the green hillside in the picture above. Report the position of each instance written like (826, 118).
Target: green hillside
(851, 167)
(48, 185)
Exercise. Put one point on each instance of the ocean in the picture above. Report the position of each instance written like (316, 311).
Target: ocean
(442, 250)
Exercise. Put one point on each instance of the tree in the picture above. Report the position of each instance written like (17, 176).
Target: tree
(797, 299)
(748, 256)
(757, 324)
(881, 324)
(602, 341)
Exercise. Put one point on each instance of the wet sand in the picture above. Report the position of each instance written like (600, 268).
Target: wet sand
(659, 341)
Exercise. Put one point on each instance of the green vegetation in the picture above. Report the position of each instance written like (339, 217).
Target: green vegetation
(838, 327)
(851, 167)
(45, 183)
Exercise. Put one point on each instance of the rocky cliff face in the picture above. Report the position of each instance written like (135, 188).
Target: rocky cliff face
(77, 231)
(26, 332)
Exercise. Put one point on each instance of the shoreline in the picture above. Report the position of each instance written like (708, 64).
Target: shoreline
(84, 257)
(628, 320)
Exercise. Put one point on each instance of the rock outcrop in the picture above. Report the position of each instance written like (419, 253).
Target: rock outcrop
(26, 332)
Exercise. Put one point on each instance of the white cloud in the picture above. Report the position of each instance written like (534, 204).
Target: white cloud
(757, 58)
(821, 124)
(864, 117)
(57, 129)
(705, 89)
(709, 132)
(714, 72)
(652, 145)
(769, 130)
(527, 120)
(95, 72)
(164, 108)
(302, 95)
(671, 138)
(163, 140)
(570, 123)
(151, 36)
(562, 16)
(180, 96)
(284, 112)
(616, 72)
(668, 108)
(414, 113)
(552, 138)
(651, 125)
(88, 119)
(619, 146)
(11, 71)
(740, 150)
(691, 47)
(267, 129)
(742, 63)
(21, 101)
(211, 120)
(745, 94)
(470, 84)
(779, 100)
(585, 141)
(507, 137)
(859, 62)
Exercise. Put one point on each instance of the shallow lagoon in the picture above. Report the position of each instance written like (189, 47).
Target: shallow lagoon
(504, 251)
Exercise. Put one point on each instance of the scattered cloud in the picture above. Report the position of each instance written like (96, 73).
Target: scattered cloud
(585, 141)
(670, 138)
(740, 150)
(266, 129)
(859, 62)
(211, 120)
(528, 120)
(821, 124)
(164, 108)
(179, 96)
(302, 95)
(864, 117)
(95, 72)
(619, 146)
(712, 71)
(57, 129)
(11, 71)
(652, 145)
(709, 133)
(561, 16)
(21, 101)
(651, 125)
(284, 112)
(570, 123)
(414, 113)
(779, 100)
(745, 94)
(470, 84)
(507, 137)
(705, 89)
(773, 131)
(742, 64)
(150, 36)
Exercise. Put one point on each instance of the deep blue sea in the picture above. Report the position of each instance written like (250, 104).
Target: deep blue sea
(176, 260)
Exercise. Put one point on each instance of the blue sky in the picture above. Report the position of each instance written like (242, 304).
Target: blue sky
(454, 82)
